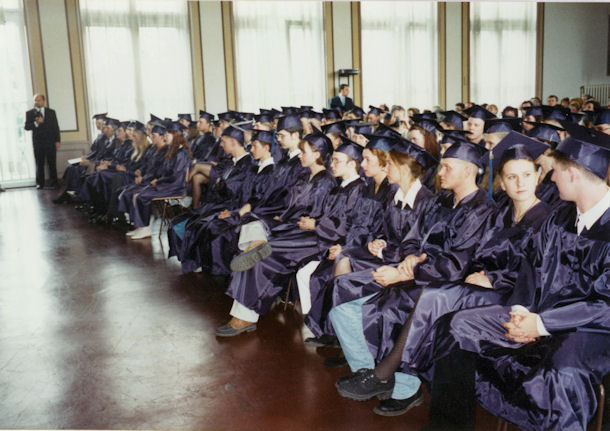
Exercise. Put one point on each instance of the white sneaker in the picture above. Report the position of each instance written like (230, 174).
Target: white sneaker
(131, 232)
(141, 233)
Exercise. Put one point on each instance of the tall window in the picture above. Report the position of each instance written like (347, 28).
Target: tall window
(137, 57)
(279, 54)
(399, 53)
(16, 154)
(502, 52)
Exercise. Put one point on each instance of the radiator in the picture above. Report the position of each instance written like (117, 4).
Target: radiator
(601, 92)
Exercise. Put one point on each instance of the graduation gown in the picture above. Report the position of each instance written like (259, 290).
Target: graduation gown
(389, 222)
(257, 287)
(450, 244)
(204, 148)
(74, 174)
(226, 192)
(548, 384)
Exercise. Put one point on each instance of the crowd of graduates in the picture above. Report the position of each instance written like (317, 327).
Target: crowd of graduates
(460, 250)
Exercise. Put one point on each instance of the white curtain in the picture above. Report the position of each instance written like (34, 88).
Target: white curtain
(137, 57)
(17, 167)
(279, 54)
(502, 52)
(399, 53)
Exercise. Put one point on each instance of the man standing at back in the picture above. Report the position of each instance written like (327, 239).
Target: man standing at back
(341, 101)
(42, 121)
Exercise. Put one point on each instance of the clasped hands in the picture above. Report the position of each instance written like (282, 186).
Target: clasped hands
(307, 223)
(522, 326)
(387, 275)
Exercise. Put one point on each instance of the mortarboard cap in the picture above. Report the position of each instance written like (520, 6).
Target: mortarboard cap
(289, 122)
(377, 142)
(100, 116)
(383, 130)
(136, 125)
(111, 122)
(234, 132)
(336, 127)
(321, 142)
(357, 111)
(515, 146)
(602, 117)
(454, 117)
(363, 128)
(206, 115)
(543, 131)
(452, 136)
(499, 125)
(467, 151)
(264, 118)
(556, 113)
(154, 118)
(350, 148)
(421, 156)
(185, 117)
(158, 128)
(175, 127)
(375, 110)
(265, 136)
(477, 111)
(587, 147)
(331, 114)
(534, 111)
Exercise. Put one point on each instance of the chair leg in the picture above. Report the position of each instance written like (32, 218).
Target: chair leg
(287, 297)
(601, 401)
(502, 425)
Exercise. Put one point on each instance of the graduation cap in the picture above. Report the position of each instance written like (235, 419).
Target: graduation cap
(382, 143)
(264, 118)
(363, 128)
(515, 146)
(226, 116)
(575, 117)
(100, 116)
(321, 142)
(534, 111)
(234, 132)
(124, 124)
(602, 117)
(306, 107)
(375, 110)
(421, 156)
(265, 136)
(477, 111)
(206, 115)
(467, 151)
(500, 125)
(289, 110)
(289, 122)
(454, 117)
(136, 125)
(331, 114)
(452, 136)
(193, 125)
(245, 125)
(556, 113)
(247, 115)
(544, 131)
(424, 116)
(154, 119)
(383, 130)
(587, 147)
(317, 115)
(111, 122)
(427, 124)
(158, 128)
(350, 148)
(185, 117)
(176, 127)
(336, 127)
(357, 111)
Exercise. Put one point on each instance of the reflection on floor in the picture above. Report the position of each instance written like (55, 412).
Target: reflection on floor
(102, 332)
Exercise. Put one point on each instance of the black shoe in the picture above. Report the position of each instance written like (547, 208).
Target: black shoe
(63, 198)
(394, 407)
(357, 375)
(335, 362)
(322, 341)
(366, 387)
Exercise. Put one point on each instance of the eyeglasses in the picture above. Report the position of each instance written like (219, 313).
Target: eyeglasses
(334, 161)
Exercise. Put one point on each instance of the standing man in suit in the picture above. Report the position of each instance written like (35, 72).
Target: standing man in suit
(42, 121)
(341, 101)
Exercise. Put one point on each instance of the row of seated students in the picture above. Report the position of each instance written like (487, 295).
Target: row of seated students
(397, 253)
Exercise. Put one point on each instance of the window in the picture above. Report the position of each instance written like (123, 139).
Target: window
(502, 52)
(399, 53)
(279, 51)
(137, 57)
(17, 167)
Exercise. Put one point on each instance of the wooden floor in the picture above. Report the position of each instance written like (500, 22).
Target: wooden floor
(98, 331)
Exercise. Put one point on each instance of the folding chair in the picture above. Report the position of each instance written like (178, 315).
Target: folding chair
(165, 206)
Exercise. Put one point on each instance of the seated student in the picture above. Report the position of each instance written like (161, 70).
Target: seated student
(423, 133)
(227, 191)
(405, 167)
(313, 277)
(439, 246)
(497, 128)
(531, 114)
(171, 181)
(255, 290)
(477, 115)
(492, 274)
(538, 357)
(602, 121)
(218, 240)
(306, 197)
(74, 173)
(452, 120)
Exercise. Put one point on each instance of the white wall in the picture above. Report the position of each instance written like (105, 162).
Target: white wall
(342, 40)
(575, 47)
(453, 39)
(215, 84)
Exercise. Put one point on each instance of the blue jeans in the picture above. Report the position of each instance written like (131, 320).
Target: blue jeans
(347, 322)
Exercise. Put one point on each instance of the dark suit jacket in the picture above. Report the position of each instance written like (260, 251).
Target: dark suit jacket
(48, 131)
(335, 102)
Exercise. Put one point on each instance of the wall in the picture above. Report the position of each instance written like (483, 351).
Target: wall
(575, 47)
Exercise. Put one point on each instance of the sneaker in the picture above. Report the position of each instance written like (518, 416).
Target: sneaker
(142, 233)
(247, 260)
(356, 375)
(394, 407)
(366, 387)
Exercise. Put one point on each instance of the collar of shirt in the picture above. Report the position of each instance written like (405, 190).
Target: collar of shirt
(293, 153)
(264, 164)
(235, 160)
(342, 99)
(588, 218)
(409, 197)
(345, 183)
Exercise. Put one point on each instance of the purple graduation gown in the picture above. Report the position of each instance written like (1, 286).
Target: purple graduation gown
(450, 245)
(548, 384)
(257, 288)
(391, 225)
